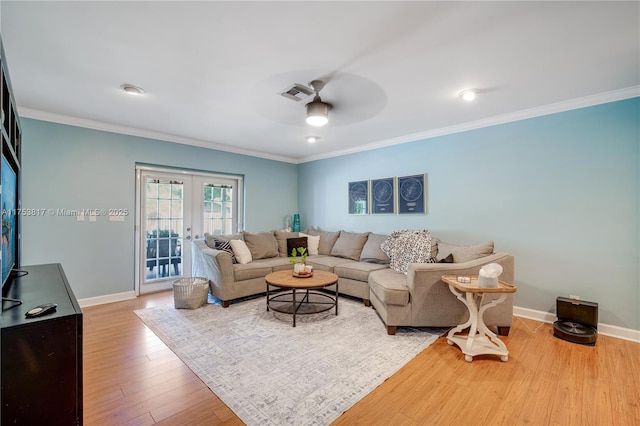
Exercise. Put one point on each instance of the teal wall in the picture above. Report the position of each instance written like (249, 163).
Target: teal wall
(561, 192)
(66, 167)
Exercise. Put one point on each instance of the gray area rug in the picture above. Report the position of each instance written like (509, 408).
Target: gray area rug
(270, 373)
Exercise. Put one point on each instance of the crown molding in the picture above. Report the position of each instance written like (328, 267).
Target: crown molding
(131, 131)
(587, 101)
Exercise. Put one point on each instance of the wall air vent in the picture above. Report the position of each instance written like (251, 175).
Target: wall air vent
(297, 92)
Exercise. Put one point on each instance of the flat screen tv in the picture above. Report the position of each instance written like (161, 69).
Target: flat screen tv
(9, 182)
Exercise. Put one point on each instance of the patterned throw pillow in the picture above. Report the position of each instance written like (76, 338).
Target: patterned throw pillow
(407, 246)
(225, 245)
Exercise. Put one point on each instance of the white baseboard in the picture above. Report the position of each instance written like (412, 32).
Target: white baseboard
(604, 329)
(108, 298)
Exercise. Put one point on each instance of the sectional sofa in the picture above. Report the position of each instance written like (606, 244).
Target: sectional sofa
(418, 298)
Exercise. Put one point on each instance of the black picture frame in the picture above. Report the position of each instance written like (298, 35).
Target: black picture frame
(358, 195)
(412, 194)
(383, 196)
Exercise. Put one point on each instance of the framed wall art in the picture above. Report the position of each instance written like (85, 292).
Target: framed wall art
(383, 196)
(412, 194)
(359, 197)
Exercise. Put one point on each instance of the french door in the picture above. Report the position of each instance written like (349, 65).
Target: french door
(173, 208)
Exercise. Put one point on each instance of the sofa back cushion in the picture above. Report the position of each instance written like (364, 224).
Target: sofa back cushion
(466, 254)
(349, 245)
(282, 237)
(262, 245)
(372, 253)
(327, 240)
(461, 254)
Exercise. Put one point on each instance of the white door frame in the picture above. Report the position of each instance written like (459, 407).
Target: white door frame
(192, 224)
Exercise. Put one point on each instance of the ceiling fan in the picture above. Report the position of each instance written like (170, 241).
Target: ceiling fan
(353, 99)
(317, 110)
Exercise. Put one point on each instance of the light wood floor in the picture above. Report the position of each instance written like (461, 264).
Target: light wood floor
(132, 378)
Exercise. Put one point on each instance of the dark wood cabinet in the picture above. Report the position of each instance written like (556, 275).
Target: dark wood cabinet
(42, 356)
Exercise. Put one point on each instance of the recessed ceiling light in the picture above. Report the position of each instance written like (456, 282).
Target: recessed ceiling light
(312, 139)
(468, 94)
(132, 89)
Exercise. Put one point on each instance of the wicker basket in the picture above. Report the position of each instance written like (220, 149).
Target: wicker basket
(190, 292)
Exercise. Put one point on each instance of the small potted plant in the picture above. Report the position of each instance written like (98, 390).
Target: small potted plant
(298, 262)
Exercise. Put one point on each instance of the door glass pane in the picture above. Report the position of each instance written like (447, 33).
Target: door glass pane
(218, 217)
(163, 228)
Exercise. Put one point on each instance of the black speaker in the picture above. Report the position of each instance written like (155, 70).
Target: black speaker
(577, 321)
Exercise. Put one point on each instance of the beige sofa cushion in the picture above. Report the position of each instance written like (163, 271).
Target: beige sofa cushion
(445, 249)
(276, 263)
(358, 271)
(463, 254)
(349, 245)
(281, 237)
(251, 270)
(371, 252)
(326, 263)
(389, 286)
(262, 245)
(327, 240)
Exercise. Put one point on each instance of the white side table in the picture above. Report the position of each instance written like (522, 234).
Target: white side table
(480, 340)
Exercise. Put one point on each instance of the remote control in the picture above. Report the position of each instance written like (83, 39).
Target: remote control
(47, 308)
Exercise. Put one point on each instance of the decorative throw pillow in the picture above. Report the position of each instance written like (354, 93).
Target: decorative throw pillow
(313, 242)
(241, 251)
(295, 243)
(407, 246)
(466, 254)
(371, 251)
(262, 245)
(448, 259)
(224, 245)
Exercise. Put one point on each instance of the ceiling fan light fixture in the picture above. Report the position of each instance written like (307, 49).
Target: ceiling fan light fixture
(468, 94)
(318, 112)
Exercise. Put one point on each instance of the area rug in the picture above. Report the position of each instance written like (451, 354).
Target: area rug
(270, 373)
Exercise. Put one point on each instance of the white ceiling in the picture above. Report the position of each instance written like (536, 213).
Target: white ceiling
(213, 71)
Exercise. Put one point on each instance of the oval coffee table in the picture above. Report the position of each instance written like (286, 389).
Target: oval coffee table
(310, 302)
